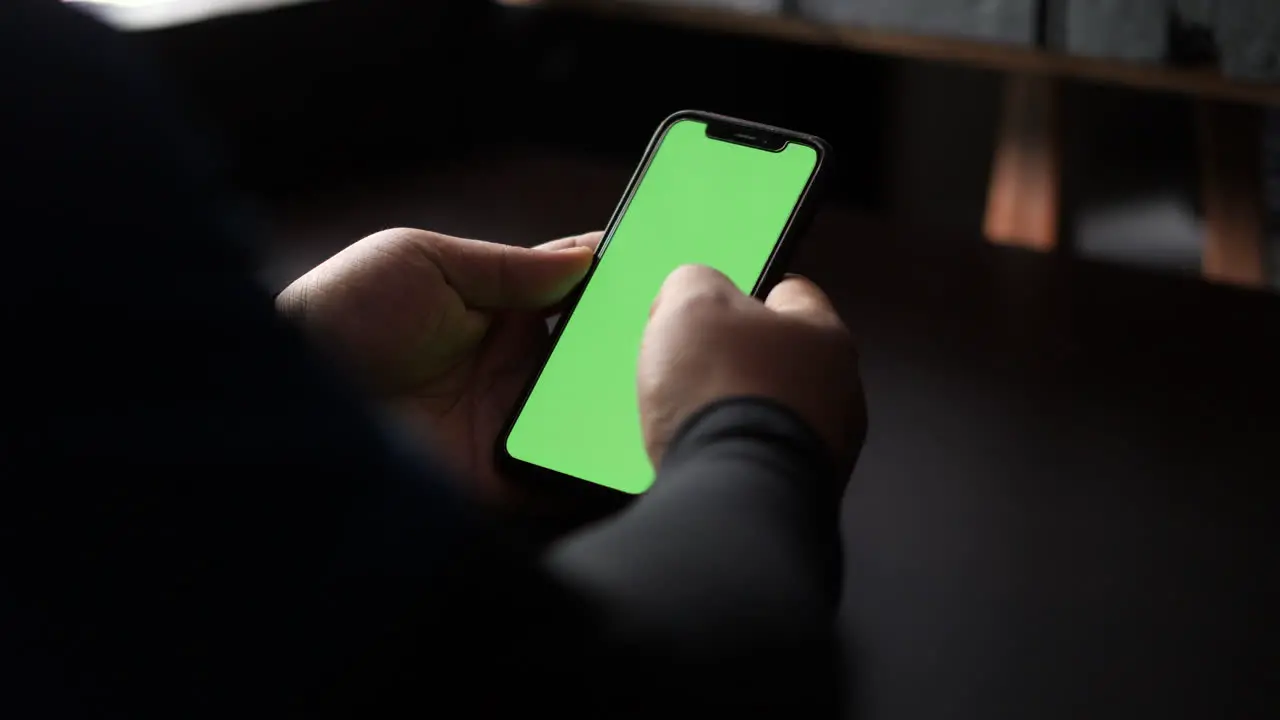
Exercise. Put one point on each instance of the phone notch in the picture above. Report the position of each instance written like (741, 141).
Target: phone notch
(746, 135)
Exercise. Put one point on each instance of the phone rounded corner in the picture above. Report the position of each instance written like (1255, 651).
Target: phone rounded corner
(677, 116)
(821, 148)
(688, 115)
(503, 459)
(824, 147)
(821, 172)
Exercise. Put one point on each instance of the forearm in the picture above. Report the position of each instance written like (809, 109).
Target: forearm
(729, 568)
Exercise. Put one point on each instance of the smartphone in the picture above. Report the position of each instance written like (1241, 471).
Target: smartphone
(711, 190)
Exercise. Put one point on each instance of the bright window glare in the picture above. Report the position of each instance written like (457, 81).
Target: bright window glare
(129, 3)
(143, 14)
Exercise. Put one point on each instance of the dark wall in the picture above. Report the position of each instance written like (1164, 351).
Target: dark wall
(607, 85)
(942, 123)
(336, 91)
(330, 90)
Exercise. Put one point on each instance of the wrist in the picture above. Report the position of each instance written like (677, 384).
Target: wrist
(761, 422)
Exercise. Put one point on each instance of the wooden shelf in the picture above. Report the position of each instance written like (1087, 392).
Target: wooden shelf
(1023, 197)
(1203, 83)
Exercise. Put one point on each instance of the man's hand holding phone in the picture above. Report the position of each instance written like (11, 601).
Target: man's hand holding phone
(707, 341)
(445, 330)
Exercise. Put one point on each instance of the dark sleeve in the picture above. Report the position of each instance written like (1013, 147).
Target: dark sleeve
(197, 517)
(722, 581)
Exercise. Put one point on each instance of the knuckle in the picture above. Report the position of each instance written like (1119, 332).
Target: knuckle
(705, 298)
(691, 288)
(407, 236)
(696, 276)
(688, 272)
(701, 309)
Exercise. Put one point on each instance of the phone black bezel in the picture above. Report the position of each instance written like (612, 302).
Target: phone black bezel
(765, 137)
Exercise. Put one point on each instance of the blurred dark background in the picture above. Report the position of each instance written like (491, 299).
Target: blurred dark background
(1066, 505)
(311, 94)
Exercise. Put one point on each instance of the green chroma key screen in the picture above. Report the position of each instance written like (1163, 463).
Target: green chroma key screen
(701, 201)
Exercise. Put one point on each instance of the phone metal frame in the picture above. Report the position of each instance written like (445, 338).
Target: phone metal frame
(584, 493)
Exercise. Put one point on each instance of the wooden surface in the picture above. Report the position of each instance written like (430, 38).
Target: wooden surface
(1066, 505)
(1231, 187)
(1024, 191)
(1204, 83)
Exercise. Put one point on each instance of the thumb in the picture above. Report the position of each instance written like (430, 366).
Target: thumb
(492, 276)
(797, 296)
